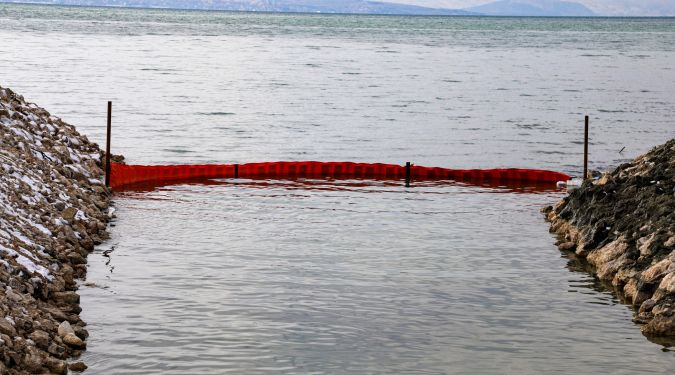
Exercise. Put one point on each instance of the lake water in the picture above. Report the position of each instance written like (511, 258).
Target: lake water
(345, 277)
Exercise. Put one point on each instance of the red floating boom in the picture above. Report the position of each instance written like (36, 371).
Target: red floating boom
(123, 175)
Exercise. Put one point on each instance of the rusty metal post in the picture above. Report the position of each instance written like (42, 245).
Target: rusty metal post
(407, 174)
(107, 146)
(585, 148)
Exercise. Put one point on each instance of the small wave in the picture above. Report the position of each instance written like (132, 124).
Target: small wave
(532, 126)
(216, 113)
(548, 152)
(158, 70)
(611, 111)
(178, 151)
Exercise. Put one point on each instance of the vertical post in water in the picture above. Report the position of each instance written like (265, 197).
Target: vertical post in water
(585, 148)
(407, 174)
(107, 146)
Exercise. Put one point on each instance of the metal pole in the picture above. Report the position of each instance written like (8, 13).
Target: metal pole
(585, 148)
(407, 174)
(236, 171)
(107, 146)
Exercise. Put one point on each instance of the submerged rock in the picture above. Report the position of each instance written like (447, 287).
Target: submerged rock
(624, 225)
(77, 366)
(53, 209)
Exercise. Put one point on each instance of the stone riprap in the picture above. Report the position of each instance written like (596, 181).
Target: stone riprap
(624, 226)
(53, 211)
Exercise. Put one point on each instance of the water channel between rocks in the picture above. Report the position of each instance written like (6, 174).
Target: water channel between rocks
(338, 277)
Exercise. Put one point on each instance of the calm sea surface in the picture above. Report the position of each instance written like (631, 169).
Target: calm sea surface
(344, 277)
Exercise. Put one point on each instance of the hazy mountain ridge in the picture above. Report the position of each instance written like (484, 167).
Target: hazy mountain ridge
(533, 8)
(622, 8)
(303, 6)
(605, 8)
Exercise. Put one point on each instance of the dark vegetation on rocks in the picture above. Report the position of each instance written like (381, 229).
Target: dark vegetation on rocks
(623, 225)
(53, 211)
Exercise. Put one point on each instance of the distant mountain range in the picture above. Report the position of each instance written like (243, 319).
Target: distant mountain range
(533, 8)
(497, 8)
(300, 6)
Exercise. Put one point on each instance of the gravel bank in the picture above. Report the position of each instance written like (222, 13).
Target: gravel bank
(624, 226)
(53, 210)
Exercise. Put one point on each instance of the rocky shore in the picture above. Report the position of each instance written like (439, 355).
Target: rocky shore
(53, 210)
(623, 225)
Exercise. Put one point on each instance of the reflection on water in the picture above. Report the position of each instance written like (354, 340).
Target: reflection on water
(361, 185)
(327, 277)
(614, 295)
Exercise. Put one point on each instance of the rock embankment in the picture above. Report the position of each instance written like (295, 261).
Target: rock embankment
(53, 210)
(624, 225)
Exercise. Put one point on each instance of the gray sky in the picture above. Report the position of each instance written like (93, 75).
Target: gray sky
(601, 7)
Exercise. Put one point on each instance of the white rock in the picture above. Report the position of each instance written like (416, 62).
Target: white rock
(65, 329)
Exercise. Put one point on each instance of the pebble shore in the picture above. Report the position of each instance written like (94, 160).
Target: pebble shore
(623, 225)
(53, 211)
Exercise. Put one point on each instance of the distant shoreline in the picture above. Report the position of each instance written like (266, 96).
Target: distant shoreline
(468, 15)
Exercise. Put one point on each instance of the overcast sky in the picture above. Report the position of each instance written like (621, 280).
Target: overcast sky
(601, 7)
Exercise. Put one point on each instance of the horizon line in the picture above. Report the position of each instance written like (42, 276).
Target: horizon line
(468, 13)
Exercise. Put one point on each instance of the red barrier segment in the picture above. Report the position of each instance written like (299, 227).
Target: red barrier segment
(122, 174)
